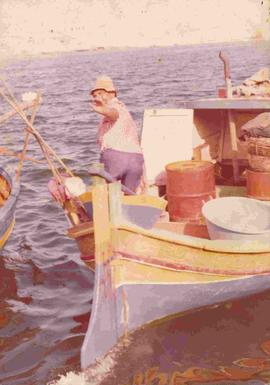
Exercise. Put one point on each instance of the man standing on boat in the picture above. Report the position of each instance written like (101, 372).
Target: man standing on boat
(121, 152)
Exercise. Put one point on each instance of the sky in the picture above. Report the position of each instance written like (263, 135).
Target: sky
(37, 26)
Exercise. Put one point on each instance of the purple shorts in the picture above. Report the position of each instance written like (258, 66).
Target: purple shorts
(124, 166)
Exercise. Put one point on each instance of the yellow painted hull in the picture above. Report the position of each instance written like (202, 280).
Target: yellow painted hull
(147, 275)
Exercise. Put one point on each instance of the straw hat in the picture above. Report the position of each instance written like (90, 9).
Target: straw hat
(104, 83)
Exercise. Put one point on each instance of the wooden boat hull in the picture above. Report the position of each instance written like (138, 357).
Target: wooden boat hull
(141, 210)
(83, 234)
(117, 312)
(7, 211)
(146, 275)
(133, 210)
(225, 343)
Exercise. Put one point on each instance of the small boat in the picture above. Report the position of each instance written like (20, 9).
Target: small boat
(149, 268)
(9, 192)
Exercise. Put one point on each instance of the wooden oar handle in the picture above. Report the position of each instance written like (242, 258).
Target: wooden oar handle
(232, 128)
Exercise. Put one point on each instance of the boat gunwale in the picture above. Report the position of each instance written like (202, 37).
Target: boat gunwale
(234, 103)
(14, 193)
(223, 246)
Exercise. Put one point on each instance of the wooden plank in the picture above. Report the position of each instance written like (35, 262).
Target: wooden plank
(226, 103)
(228, 247)
(101, 221)
(233, 138)
(95, 178)
(128, 272)
(222, 138)
(232, 129)
(144, 200)
(115, 195)
(175, 256)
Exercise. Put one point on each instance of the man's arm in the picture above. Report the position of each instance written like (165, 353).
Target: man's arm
(110, 113)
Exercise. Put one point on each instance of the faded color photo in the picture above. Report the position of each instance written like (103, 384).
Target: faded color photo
(134, 192)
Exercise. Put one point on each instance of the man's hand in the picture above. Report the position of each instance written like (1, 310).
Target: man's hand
(100, 107)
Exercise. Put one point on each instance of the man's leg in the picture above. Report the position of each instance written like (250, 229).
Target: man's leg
(114, 163)
(134, 171)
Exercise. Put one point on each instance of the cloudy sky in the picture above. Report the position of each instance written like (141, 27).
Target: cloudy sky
(35, 26)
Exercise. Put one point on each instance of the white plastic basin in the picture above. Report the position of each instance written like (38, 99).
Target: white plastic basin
(237, 218)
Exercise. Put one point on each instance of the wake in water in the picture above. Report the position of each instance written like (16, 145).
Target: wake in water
(93, 376)
(99, 372)
(71, 379)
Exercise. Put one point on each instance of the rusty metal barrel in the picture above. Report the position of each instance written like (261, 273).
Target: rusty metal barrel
(189, 185)
(258, 184)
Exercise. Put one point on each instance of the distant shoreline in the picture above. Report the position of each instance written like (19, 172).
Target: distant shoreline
(10, 59)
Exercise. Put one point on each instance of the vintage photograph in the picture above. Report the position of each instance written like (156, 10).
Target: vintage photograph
(135, 192)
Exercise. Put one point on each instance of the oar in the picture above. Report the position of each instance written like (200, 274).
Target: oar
(5, 151)
(31, 128)
(7, 115)
(44, 146)
(27, 137)
(46, 149)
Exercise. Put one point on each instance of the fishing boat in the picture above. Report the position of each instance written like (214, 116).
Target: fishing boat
(204, 129)
(148, 269)
(153, 254)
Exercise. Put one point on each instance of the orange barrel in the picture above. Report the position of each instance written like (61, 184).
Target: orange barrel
(189, 185)
(258, 184)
